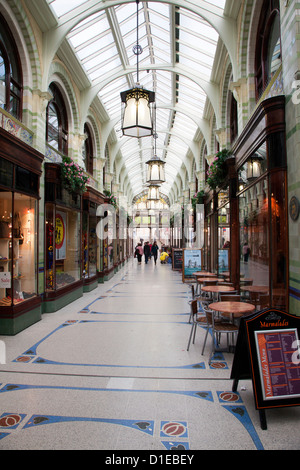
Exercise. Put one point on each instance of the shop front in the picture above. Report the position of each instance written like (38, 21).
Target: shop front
(262, 206)
(246, 223)
(20, 170)
(92, 244)
(63, 267)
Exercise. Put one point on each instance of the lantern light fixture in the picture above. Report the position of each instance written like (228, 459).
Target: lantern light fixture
(253, 167)
(156, 170)
(153, 192)
(136, 111)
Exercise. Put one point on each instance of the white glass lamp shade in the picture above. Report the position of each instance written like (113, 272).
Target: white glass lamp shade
(137, 119)
(253, 169)
(153, 193)
(156, 171)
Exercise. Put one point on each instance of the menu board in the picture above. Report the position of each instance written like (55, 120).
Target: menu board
(279, 372)
(267, 351)
(177, 259)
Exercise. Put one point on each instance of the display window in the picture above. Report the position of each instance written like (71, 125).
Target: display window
(18, 248)
(62, 247)
(254, 236)
(89, 243)
(224, 239)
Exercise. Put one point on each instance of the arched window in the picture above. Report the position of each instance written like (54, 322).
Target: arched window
(11, 80)
(268, 45)
(57, 122)
(88, 153)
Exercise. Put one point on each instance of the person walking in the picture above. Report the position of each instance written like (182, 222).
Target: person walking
(246, 252)
(154, 251)
(139, 252)
(146, 251)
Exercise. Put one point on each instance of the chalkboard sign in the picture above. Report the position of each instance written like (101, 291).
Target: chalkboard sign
(267, 351)
(177, 258)
(192, 262)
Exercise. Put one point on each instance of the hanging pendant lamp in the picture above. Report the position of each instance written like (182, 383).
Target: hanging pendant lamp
(153, 192)
(156, 170)
(136, 111)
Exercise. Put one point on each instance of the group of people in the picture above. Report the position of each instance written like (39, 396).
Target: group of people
(148, 250)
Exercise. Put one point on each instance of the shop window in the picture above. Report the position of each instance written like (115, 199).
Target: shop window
(6, 173)
(11, 80)
(88, 153)
(89, 240)
(57, 122)
(268, 45)
(62, 247)
(255, 241)
(254, 167)
(18, 248)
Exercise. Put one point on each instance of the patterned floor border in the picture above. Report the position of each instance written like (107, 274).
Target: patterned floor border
(31, 355)
(230, 401)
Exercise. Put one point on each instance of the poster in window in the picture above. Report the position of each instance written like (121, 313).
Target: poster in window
(223, 263)
(191, 262)
(60, 235)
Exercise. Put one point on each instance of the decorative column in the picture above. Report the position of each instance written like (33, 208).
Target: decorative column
(234, 223)
(241, 94)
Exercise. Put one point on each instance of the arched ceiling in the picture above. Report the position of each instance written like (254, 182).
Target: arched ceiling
(179, 49)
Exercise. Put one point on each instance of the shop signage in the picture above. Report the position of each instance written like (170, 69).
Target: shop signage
(267, 351)
(177, 259)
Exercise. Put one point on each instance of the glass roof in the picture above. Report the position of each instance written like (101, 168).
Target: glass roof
(174, 40)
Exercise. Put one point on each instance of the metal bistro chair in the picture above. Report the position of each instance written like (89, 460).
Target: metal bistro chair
(218, 327)
(198, 318)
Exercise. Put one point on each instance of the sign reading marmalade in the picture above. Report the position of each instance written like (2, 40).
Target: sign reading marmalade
(279, 371)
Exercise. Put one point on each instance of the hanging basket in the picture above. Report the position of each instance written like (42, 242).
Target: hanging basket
(73, 177)
(217, 171)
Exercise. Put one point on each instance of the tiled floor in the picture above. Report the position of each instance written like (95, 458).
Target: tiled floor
(111, 371)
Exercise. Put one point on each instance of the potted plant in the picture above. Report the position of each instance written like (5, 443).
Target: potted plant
(198, 198)
(217, 170)
(110, 198)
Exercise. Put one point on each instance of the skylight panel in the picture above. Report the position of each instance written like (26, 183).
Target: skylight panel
(104, 52)
(217, 3)
(62, 7)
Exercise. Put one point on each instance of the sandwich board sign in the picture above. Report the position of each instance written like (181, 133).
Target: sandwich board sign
(267, 351)
(192, 263)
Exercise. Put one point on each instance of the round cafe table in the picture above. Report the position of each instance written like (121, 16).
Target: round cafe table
(217, 289)
(256, 289)
(204, 274)
(254, 292)
(232, 308)
(204, 280)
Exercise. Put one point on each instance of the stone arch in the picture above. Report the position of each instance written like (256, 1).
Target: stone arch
(58, 75)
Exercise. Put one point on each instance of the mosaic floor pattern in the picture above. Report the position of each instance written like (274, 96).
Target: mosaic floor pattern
(111, 371)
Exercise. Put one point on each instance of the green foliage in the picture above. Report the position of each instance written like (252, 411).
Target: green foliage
(217, 171)
(72, 176)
